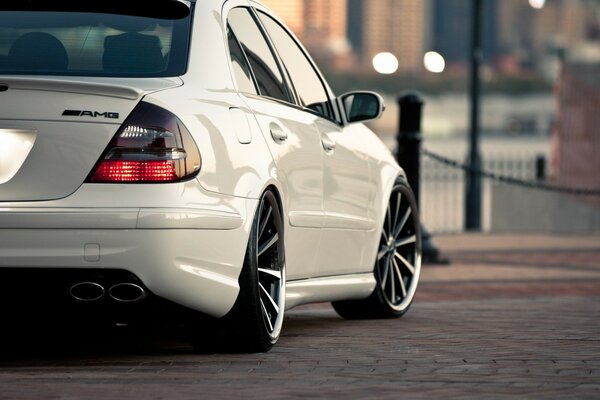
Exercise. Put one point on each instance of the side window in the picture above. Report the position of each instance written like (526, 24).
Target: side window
(241, 69)
(305, 79)
(268, 76)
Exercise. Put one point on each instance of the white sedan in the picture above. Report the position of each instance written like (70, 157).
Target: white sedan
(189, 155)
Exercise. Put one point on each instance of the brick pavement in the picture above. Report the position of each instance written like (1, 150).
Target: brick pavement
(511, 317)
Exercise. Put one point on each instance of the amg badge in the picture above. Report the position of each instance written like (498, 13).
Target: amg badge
(92, 114)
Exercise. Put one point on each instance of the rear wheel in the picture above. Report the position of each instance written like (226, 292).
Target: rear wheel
(255, 321)
(398, 262)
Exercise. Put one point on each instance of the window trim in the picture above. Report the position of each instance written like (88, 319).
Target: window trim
(336, 117)
(286, 84)
(292, 94)
(252, 77)
(290, 89)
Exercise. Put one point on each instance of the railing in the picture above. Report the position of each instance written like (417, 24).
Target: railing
(443, 189)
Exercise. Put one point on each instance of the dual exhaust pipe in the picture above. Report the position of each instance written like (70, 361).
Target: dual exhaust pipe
(124, 292)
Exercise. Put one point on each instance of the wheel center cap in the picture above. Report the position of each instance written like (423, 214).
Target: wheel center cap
(390, 244)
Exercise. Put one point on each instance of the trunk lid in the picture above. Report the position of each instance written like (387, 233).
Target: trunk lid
(54, 130)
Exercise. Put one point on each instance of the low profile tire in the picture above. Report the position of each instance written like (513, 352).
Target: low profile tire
(255, 321)
(398, 262)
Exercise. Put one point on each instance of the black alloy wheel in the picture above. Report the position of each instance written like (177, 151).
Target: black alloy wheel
(255, 321)
(398, 262)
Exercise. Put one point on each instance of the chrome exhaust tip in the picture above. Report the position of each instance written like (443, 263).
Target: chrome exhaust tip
(127, 292)
(87, 291)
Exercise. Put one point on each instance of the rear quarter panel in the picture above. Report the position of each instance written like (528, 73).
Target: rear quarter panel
(235, 158)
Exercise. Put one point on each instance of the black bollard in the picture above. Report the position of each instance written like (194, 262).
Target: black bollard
(408, 140)
(408, 155)
(540, 167)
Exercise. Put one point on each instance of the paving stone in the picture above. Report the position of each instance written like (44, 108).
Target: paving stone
(511, 317)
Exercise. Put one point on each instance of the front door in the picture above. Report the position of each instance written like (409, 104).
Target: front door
(347, 182)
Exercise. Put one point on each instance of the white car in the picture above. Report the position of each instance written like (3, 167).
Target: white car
(189, 153)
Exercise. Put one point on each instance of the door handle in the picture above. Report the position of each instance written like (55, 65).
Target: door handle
(278, 134)
(328, 144)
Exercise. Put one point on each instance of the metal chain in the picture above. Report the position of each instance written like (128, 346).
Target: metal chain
(510, 180)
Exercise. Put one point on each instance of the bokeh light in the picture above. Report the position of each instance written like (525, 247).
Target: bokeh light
(434, 62)
(385, 63)
(538, 4)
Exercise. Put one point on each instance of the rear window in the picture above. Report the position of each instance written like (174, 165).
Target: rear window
(127, 39)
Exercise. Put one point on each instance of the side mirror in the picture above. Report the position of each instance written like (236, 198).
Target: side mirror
(361, 106)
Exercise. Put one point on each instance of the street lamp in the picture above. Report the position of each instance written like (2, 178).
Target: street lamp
(472, 177)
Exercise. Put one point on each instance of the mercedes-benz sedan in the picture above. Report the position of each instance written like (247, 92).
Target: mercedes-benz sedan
(190, 153)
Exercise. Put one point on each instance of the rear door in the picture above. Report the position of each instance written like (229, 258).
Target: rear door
(290, 133)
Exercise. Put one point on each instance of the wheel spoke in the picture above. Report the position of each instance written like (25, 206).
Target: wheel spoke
(398, 228)
(408, 265)
(392, 285)
(385, 272)
(268, 244)
(271, 272)
(271, 300)
(264, 221)
(404, 241)
(389, 218)
(266, 316)
(397, 213)
(382, 252)
(384, 234)
(400, 278)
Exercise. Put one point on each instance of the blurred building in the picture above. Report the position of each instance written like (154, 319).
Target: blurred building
(576, 138)
(533, 37)
(559, 23)
(516, 36)
(395, 26)
(325, 19)
(291, 11)
(320, 24)
(452, 21)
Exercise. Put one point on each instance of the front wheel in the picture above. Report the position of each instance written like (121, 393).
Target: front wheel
(398, 261)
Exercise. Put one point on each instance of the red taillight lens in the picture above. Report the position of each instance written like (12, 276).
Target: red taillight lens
(153, 145)
(135, 171)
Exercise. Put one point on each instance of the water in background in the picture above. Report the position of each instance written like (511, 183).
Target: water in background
(514, 133)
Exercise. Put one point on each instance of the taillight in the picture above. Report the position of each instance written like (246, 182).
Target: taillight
(153, 145)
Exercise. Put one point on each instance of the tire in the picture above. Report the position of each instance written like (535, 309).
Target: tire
(254, 323)
(398, 262)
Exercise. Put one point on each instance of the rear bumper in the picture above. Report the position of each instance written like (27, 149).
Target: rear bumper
(119, 218)
(190, 256)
